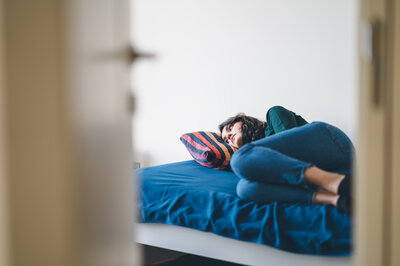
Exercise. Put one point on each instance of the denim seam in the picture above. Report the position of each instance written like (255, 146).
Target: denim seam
(341, 147)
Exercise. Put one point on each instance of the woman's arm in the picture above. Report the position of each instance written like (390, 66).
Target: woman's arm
(280, 119)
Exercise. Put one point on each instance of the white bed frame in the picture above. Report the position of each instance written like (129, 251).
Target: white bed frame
(210, 245)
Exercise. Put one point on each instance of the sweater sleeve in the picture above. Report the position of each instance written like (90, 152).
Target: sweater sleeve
(280, 119)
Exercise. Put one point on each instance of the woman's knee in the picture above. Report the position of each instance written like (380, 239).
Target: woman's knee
(255, 191)
(253, 162)
(245, 190)
(238, 162)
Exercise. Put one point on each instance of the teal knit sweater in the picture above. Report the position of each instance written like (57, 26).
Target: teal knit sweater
(280, 119)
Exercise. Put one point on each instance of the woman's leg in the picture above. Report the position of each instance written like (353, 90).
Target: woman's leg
(285, 157)
(267, 192)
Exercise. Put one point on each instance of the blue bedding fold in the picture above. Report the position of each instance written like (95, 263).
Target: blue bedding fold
(188, 194)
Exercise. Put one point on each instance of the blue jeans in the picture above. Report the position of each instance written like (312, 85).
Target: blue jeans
(272, 168)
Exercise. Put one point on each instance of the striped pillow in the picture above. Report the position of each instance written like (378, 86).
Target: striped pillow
(208, 149)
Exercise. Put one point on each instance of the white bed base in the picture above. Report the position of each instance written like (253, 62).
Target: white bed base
(210, 245)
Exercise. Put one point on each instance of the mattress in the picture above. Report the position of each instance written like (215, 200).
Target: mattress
(190, 195)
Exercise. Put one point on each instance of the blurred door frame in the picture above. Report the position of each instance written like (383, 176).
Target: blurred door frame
(377, 236)
(66, 153)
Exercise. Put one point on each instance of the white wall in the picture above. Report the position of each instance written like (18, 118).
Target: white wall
(215, 58)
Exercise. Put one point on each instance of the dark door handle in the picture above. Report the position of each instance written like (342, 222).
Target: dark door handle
(133, 54)
(128, 54)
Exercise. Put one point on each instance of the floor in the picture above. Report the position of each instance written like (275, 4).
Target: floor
(192, 260)
(163, 257)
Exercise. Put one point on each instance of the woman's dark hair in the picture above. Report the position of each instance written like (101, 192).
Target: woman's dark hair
(252, 128)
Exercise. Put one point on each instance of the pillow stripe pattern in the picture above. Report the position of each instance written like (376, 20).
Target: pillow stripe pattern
(208, 149)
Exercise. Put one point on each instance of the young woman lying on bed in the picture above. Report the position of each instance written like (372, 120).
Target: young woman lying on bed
(310, 163)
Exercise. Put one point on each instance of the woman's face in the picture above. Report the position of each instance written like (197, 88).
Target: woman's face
(232, 134)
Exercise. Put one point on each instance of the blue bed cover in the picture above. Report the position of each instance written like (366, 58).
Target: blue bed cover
(188, 194)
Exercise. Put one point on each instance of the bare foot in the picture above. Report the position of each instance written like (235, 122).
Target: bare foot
(327, 180)
(332, 182)
(325, 197)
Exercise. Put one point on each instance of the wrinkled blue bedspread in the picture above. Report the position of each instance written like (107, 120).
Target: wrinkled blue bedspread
(188, 194)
